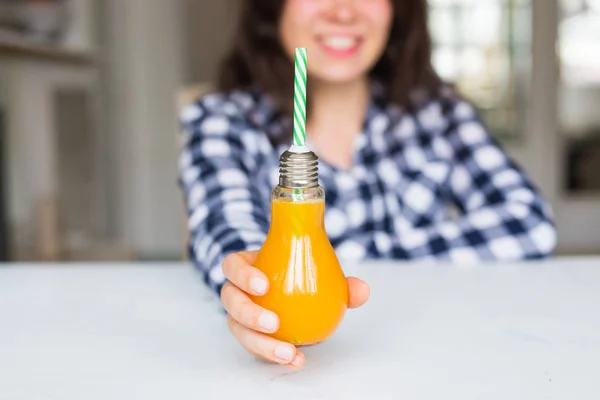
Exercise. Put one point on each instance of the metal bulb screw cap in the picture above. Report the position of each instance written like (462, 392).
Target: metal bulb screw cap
(298, 170)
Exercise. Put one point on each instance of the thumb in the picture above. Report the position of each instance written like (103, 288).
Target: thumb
(358, 292)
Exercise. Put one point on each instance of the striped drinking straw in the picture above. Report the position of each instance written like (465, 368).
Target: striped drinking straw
(300, 98)
(299, 107)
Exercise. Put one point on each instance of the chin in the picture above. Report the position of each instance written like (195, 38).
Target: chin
(338, 75)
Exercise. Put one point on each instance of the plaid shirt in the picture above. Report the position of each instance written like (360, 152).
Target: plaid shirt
(427, 183)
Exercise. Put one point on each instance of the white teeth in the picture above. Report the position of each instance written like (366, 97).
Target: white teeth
(339, 42)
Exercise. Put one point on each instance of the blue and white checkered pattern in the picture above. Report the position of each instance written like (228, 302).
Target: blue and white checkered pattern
(427, 183)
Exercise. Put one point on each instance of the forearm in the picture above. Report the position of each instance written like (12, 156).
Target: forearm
(502, 232)
(223, 197)
(209, 249)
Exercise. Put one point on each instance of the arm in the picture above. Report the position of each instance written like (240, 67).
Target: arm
(503, 217)
(227, 221)
(223, 204)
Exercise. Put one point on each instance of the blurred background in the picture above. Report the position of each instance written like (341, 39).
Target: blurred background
(88, 113)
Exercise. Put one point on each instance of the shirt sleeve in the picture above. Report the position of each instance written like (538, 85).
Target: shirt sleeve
(502, 216)
(224, 208)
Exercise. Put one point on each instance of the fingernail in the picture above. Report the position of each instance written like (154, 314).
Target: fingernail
(297, 361)
(258, 285)
(268, 321)
(284, 353)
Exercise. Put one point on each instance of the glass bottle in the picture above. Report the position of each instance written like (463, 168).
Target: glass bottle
(307, 287)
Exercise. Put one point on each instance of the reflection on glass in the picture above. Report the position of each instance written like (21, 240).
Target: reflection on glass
(484, 48)
(578, 51)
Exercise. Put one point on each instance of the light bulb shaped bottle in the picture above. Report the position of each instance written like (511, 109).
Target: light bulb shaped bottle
(307, 286)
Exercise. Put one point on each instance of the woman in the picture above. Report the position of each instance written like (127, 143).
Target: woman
(397, 148)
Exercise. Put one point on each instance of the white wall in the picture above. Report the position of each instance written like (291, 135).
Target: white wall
(31, 143)
(145, 59)
(27, 87)
(577, 218)
(153, 48)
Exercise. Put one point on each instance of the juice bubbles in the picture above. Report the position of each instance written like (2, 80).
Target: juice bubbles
(308, 289)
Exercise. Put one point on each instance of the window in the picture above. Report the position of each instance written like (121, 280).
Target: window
(484, 48)
(578, 51)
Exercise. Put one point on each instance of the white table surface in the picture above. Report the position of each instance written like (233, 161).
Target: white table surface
(528, 331)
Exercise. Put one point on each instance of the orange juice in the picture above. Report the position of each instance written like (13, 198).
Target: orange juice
(308, 289)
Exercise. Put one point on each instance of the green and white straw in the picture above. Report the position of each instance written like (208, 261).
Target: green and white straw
(299, 143)
(300, 97)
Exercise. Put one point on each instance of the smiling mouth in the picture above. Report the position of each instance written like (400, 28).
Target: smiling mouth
(340, 45)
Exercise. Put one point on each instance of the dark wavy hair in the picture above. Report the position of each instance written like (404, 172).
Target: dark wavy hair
(258, 60)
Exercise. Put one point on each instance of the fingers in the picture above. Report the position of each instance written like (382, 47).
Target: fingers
(264, 346)
(358, 292)
(238, 269)
(246, 312)
(249, 256)
(249, 322)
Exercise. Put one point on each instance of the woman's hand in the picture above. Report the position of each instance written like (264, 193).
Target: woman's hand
(249, 322)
